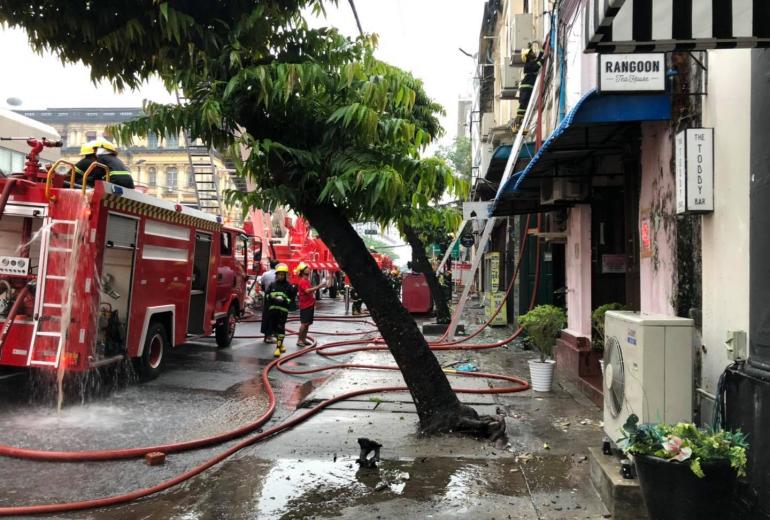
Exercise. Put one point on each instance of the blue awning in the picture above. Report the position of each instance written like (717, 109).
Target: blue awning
(500, 157)
(591, 127)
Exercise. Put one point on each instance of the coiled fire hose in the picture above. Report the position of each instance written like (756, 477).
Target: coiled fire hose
(517, 385)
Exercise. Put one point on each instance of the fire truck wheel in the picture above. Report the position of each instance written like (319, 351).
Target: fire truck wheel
(225, 329)
(153, 355)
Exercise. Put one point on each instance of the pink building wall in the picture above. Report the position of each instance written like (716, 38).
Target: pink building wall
(578, 270)
(657, 220)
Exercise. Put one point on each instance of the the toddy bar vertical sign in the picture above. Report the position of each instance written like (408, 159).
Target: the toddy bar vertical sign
(695, 170)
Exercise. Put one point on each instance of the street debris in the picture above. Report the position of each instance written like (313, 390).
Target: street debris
(368, 446)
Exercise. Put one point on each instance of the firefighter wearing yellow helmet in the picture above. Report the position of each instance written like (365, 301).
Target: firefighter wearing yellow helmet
(278, 298)
(107, 154)
(88, 151)
(532, 59)
(104, 152)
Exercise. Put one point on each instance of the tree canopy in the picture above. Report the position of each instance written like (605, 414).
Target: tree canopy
(312, 117)
(346, 128)
(458, 155)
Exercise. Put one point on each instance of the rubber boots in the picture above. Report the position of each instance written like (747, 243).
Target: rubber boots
(279, 346)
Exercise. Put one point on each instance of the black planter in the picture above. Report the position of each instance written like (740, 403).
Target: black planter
(673, 492)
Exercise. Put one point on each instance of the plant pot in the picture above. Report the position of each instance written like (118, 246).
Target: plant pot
(673, 492)
(541, 374)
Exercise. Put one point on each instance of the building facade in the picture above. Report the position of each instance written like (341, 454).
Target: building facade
(641, 220)
(598, 171)
(159, 164)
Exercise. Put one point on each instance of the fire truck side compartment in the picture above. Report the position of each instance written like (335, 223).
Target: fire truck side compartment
(117, 271)
(200, 278)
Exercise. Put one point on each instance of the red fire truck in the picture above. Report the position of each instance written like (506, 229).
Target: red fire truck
(89, 277)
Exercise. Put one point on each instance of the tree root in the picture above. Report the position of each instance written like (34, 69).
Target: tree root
(467, 421)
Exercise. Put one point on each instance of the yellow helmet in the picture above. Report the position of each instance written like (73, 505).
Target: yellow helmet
(525, 54)
(88, 148)
(300, 267)
(281, 268)
(107, 145)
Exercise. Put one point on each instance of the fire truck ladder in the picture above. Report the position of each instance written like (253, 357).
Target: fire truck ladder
(206, 177)
(52, 303)
(238, 181)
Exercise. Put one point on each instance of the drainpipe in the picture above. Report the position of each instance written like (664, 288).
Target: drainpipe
(747, 389)
(759, 219)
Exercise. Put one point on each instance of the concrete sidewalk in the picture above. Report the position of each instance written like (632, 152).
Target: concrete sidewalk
(543, 473)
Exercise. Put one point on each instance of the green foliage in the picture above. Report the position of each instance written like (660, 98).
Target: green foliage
(597, 322)
(378, 245)
(685, 443)
(320, 119)
(129, 41)
(458, 155)
(543, 324)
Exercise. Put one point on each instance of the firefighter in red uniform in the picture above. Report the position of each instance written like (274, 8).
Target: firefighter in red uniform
(278, 298)
(306, 301)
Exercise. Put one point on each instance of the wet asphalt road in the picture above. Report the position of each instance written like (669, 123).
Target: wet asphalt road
(309, 472)
(202, 391)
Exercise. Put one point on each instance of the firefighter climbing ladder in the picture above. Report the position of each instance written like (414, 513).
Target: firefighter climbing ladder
(58, 239)
(484, 240)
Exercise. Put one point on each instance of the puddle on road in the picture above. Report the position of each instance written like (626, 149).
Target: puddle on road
(100, 417)
(298, 489)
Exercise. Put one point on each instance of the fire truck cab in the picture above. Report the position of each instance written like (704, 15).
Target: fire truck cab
(89, 277)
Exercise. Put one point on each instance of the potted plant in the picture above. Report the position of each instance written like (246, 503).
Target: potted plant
(597, 325)
(543, 324)
(685, 472)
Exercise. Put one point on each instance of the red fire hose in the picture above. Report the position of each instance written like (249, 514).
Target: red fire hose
(518, 385)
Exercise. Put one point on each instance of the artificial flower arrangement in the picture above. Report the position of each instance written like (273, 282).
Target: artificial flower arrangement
(685, 443)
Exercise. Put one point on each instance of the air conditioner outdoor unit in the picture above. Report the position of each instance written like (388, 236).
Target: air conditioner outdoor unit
(648, 366)
(522, 33)
(564, 189)
(509, 81)
(487, 122)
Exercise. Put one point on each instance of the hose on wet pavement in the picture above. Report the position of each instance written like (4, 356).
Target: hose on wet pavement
(516, 385)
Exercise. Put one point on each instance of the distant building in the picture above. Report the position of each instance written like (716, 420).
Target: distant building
(464, 107)
(158, 163)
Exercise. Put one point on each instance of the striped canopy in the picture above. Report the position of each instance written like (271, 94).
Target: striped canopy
(625, 26)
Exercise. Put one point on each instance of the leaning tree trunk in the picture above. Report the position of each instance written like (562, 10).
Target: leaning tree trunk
(421, 264)
(438, 408)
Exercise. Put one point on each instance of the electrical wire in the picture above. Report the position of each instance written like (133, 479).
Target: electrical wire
(355, 15)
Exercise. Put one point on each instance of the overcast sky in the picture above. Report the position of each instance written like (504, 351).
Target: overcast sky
(421, 36)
